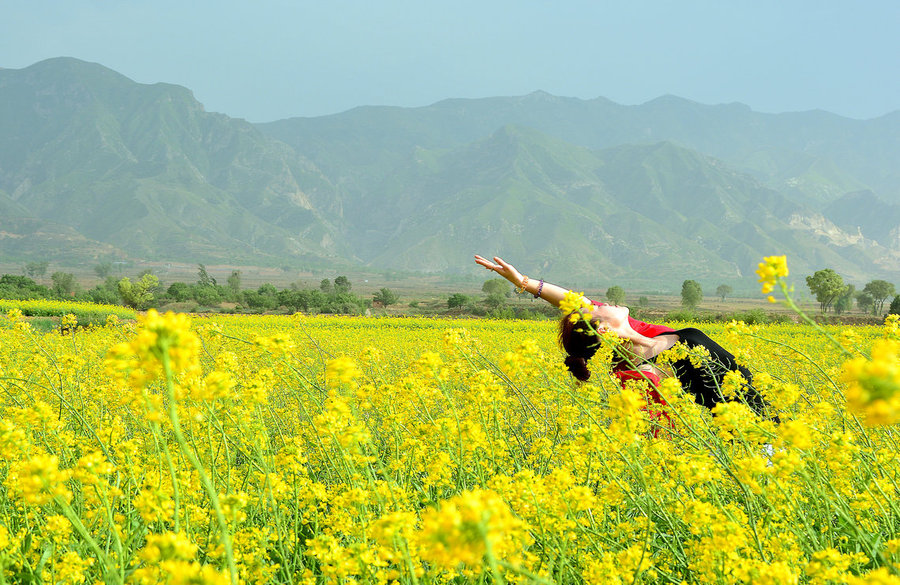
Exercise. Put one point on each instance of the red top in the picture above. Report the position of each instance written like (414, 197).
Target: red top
(656, 404)
(645, 329)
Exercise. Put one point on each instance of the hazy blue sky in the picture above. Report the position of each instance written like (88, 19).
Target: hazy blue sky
(272, 59)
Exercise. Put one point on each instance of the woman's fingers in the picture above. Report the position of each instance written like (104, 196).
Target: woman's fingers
(507, 267)
(501, 263)
(485, 262)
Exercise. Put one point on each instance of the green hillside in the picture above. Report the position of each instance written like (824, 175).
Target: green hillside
(634, 213)
(94, 165)
(777, 148)
(146, 170)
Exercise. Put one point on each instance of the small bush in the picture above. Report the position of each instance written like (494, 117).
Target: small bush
(501, 313)
(43, 324)
(457, 300)
(685, 315)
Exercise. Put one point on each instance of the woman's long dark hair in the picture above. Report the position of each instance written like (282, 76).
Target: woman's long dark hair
(580, 341)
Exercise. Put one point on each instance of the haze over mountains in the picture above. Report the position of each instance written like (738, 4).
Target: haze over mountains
(96, 167)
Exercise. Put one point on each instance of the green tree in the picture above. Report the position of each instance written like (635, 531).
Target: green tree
(207, 296)
(342, 285)
(265, 297)
(106, 293)
(894, 309)
(36, 269)
(234, 284)
(495, 300)
(204, 279)
(386, 297)
(138, 295)
(691, 294)
(180, 291)
(22, 287)
(499, 286)
(457, 300)
(845, 301)
(723, 290)
(615, 295)
(881, 291)
(64, 284)
(103, 270)
(827, 285)
(864, 301)
(326, 287)
(268, 289)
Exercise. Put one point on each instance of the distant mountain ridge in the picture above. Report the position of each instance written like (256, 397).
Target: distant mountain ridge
(93, 165)
(753, 142)
(82, 144)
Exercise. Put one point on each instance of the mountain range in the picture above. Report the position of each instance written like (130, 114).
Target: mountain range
(94, 166)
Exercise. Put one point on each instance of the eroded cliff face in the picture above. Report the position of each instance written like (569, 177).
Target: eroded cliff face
(893, 242)
(818, 225)
(886, 254)
(891, 259)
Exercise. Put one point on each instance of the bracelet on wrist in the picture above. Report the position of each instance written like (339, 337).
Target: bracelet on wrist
(520, 289)
(540, 287)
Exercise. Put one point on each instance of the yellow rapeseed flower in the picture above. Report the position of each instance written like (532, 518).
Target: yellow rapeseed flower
(770, 270)
(341, 370)
(456, 456)
(874, 384)
(158, 337)
(469, 526)
(71, 568)
(879, 576)
(58, 529)
(892, 326)
(90, 467)
(574, 303)
(168, 546)
(153, 505)
(38, 480)
(68, 321)
(830, 565)
(627, 409)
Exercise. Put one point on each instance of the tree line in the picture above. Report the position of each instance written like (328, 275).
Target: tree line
(826, 285)
(145, 291)
(831, 293)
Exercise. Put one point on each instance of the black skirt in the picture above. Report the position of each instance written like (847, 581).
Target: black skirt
(705, 382)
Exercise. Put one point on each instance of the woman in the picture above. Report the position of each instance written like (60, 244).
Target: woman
(644, 341)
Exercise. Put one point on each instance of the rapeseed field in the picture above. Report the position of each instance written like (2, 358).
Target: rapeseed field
(266, 449)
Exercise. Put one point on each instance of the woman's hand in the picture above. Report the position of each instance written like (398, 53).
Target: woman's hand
(551, 293)
(502, 268)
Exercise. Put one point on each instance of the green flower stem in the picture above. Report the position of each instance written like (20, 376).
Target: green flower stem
(82, 530)
(176, 491)
(195, 462)
(117, 542)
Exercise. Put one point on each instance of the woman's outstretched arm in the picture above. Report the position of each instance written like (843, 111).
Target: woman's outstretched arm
(551, 293)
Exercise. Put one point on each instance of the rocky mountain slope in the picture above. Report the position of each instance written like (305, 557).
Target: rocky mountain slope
(95, 166)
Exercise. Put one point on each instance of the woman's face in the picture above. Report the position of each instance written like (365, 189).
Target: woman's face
(611, 317)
